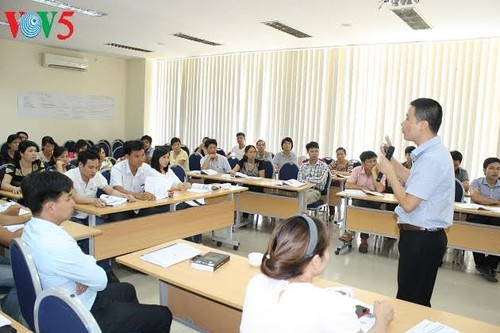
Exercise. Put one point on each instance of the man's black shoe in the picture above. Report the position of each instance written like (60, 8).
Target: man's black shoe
(487, 273)
(112, 277)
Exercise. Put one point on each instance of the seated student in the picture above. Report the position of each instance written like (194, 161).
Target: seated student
(60, 160)
(313, 171)
(86, 181)
(262, 154)
(129, 177)
(48, 145)
(249, 165)
(147, 142)
(460, 173)
(23, 135)
(284, 299)
(408, 163)
(105, 163)
(364, 177)
(9, 303)
(61, 263)
(178, 156)
(160, 162)
(213, 160)
(341, 166)
(201, 149)
(26, 162)
(9, 154)
(239, 150)
(286, 155)
(486, 191)
(80, 145)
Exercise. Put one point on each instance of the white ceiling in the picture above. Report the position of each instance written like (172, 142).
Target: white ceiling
(149, 24)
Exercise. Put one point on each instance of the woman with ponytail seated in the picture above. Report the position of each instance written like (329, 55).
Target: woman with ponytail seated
(284, 299)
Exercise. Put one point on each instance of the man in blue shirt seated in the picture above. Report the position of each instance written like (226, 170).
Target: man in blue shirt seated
(426, 201)
(460, 173)
(61, 263)
(486, 191)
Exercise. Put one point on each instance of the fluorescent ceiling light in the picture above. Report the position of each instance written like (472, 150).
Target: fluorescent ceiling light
(286, 29)
(81, 10)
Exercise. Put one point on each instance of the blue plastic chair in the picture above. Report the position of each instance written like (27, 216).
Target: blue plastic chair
(194, 161)
(459, 191)
(57, 311)
(118, 152)
(107, 175)
(105, 146)
(26, 279)
(233, 161)
(288, 171)
(321, 206)
(268, 169)
(179, 172)
(221, 152)
(116, 143)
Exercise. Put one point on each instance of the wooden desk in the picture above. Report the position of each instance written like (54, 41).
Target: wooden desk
(139, 233)
(214, 301)
(267, 204)
(461, 235)
(10, 195)
(19, 328)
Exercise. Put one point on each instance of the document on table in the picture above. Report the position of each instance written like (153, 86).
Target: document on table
(354, 193)
(209, 172)
(158, 186)
(14, 227)
(373, 193)
(4, 321)
(171, 255)
(5, 205)
(478, 207)
(427, 326)
(200, 188)
(111, 200)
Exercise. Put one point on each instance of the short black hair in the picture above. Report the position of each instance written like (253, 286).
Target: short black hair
(26, 144)
(12, 137)
(22, 132)
(41, 187)
(367, 155)
(80, 144)
(48, 140)
(210, 142)
(341, 148)
(409, 149)
(287, 139)
(456, 155)
(175, 140)
(429, 110)
(312, 145)
(155, 159)
(132, 145)
(147, 137)
(240, 134)
(489, 161)
(86, 155)
(58, 151)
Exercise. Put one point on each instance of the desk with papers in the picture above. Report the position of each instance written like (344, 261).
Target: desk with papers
(201, 299)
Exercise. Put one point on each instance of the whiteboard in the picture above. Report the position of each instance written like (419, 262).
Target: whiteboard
(59, 106)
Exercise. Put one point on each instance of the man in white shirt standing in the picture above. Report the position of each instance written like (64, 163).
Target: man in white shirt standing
(86, 181)
(61, 263)
(239, 150)
(129, 177)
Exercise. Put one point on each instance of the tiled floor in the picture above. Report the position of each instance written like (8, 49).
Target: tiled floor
(459, 288)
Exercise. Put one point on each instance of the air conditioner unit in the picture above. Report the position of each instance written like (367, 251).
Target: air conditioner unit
(63, 62)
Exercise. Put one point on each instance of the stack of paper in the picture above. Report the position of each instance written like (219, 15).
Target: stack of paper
(479, 207)
(14, 227)
(427, 326)
(112, 200)
(171, 255)
(159, 186)
(354, 193)
(293, 183)
(373, 193)
(209, 172)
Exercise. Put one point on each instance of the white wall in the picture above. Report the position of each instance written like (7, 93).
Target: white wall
(21, 71)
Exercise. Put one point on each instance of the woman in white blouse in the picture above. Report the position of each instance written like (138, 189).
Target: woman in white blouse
(284, 299)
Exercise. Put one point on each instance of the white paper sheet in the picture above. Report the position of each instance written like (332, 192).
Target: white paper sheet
(158, 186)
(171, 255)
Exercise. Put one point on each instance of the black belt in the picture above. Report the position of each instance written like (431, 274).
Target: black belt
(411, 227)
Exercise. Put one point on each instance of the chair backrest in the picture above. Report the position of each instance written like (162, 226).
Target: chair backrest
(118, 152)
(327, 160)
(90, 142)
(4, 148)
(2, 171)
(355, 163)
(107, 175)
(459, 191)
(326, 189)
(288, 171)
(57, 311)
(186, 149)
(179, 172)
(194, 161)
(105, 146)
(221, 152)
(233, 161)
(116, 143)
(26, 279)
(268, 169)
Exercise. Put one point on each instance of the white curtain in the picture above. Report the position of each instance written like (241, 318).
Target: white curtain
(347, 96)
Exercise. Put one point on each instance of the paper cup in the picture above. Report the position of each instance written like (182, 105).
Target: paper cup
(255, 258)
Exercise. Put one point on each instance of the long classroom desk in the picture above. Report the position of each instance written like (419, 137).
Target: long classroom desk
(213, 302)
(139, 233)
(461, 235)
(267, 204)
(10, 195)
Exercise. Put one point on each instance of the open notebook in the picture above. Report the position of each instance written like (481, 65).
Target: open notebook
(171, 255)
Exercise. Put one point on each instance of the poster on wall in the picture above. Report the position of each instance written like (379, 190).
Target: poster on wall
(59, 106)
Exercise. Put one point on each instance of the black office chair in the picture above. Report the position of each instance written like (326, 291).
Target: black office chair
(26, 279)
(459, 191)
(57, 311)
(107, 175)
(221, 152)
(116, 143)
(118, 152)
(268, 169)
(232, 161)
(288, 171)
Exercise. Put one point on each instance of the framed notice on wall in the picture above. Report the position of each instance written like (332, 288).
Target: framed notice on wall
(58, 106)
